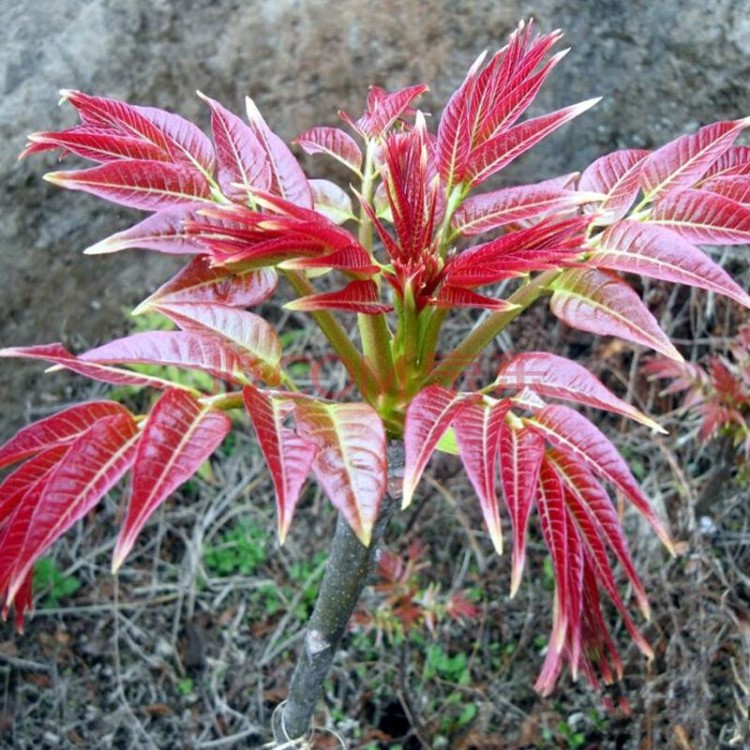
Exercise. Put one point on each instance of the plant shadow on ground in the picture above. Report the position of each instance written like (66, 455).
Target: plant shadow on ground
(194, 643)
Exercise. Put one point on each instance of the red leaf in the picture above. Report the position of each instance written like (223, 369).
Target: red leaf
(180, 434)
(19, 496)
(163, 232)
(19, 482)
(350, 463)
(240, 156)
(602, 303)
(548, 244)
(508, 145)
(616, 176)
(62, 358)
(234, 234)
(501, 207)
(333, 142)
(559, 377)
(567, 561)
(428, 416)
(96, 144)
(701, 216)
(684, 376)
(734, 187)
(648, 250)
(331, 201)
(580, 440)
(599, 524)
(734, 161)
(521, 452)
(357, 296)
(94, 462)
(412, 193)
(478, 429)
(202, 283)
(24, 600)
(682, 162)
(288, 456)
(352, 259)
(288, 179)
(147, 185)
(179, 140)
(383, 109)
(186, 142)
(251, 338)
(55, 430)
(452, 297)
(193, 350)
(491, 99)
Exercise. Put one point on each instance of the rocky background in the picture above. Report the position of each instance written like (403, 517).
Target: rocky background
(663, 67)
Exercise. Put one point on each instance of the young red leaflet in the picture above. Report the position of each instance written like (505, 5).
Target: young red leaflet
(429, 416)
(148, 185)
(333, 142)
(289, 457)
(685, 160)
(241, 159)
(575, 437)
(164, 232)
(558, 377)
(521, 452)
(146, 349)
(478, 428)
(350, 461)
(287, 178)
(507, 146)
(352, 259)
(153, 133)
(600, 302)
(96, 144)
(21, 491)
(451, 297)
(384, 109)
(617, 177)
(55, 430)
(199, 282)
(657, 251)
(509, 205)
(179, 436)
(192, 350)
(356, 296)
(331, 201)
(249, 337)
(549, 244)
(95, 461)
(704, 217)
(735, 187)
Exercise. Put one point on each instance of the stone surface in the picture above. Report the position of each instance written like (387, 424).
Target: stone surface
(663, 67)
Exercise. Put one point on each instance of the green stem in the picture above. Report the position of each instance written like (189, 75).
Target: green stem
(377, 346)
(358, 367)
(428, 347)
(373, 329)
(455, 363)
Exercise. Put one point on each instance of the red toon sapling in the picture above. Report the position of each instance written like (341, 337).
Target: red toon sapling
(418, 236)
(717, 393)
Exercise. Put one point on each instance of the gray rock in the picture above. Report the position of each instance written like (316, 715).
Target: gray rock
(663, 67)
